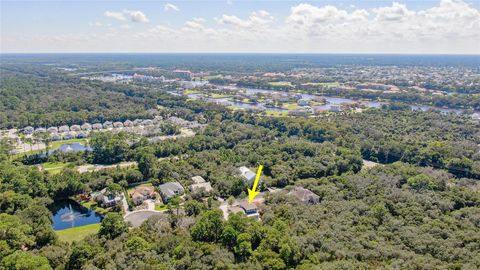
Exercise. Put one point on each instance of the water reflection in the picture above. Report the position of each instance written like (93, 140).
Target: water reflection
(69, 214)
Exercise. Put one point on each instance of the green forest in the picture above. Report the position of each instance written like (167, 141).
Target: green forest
(417, 208)
(419, 211)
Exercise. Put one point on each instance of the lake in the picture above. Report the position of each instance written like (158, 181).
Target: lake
(69, 214)
(68, 148)
(330, 101)
(71, 147)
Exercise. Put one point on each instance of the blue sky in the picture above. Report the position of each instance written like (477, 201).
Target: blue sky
(440, 26)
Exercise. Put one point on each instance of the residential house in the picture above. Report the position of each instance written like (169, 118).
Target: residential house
(198, 179)
(69, 135)
(118, 125)
(28, 130)
(147, 122)
(107, 124)
(137, 122)
(247, 174)
(140, 194)
(170, 190)
(105, 199)
(86, 127)
(200, 185)
(75, 128)
(40, 130)
(249, 209)
(56, 137)
(128, 123)
(97, 126)
(52, 130)
(63, 129)
(304, 195)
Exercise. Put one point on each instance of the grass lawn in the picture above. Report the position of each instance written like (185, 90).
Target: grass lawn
(160, 207)
(326, 84)
(220, 96)
(54, 167)
(190, 91)
(93, 205)
(77, 233)
(290, 106)
(280, 83)
(233, 107)
(276, 113)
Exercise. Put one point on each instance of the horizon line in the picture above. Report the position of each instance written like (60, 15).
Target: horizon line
(246, 52)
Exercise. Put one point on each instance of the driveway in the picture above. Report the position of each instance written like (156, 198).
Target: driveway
(138, 217)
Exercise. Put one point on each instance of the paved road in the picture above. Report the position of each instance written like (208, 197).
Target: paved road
(96, 167)
(136, 218)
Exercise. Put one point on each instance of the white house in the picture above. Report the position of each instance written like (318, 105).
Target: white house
(247, 174)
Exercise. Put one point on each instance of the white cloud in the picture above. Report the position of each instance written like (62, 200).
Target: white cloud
(394, 13)
(257, 19)
(199, 20)
(170, 7)
(450, 26)
(124, 15)
(136, 16)
(98, 24)
(115, 15)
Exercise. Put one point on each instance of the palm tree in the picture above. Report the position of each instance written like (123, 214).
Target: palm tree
(29, 141)
(22, 139)
(36, 139)
(46, 139)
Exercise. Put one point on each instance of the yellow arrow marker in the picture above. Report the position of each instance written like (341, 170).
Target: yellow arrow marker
(252, 193)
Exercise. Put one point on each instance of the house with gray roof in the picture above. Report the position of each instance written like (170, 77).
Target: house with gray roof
(105, 199)
(28, 130)
(69, 135)
(198, 179)
(107, 124)
(247, 174)
(56, 137)
(75, 128)
(200, 185)
(52, 130)
(128, 123)
(40, 130)
(118, 125)
(304, 195)
(97, 126)
(249, 209)
(170, 190)
(63, 128)
(147, 122)
(137, 122)
(86, 127)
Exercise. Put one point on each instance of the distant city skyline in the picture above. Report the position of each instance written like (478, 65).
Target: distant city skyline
(405, 27)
